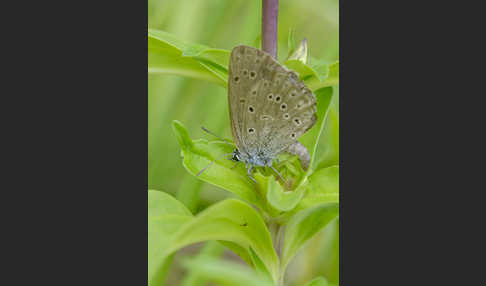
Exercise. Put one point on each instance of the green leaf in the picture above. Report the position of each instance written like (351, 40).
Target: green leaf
(199, 154)
(258, 265)
(281, 200)
(305, 72)
(229, 220)
(322, 187)
(319, 281)
(329, 78)
(321, 68)
(328, 152)
(304, 225)
(226, 272)
(165, 216)
(161, 204)
(169, 55)
(311, 138)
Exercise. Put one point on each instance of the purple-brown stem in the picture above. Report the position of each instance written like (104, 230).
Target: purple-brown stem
(269, 26)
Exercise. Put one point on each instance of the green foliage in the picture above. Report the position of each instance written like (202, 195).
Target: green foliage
(171, 227)
(323, 187)
(304, 225)
(280, 199)
(169, 55)
(226, 273)
(229, 220)
(250, 223)
(165, 216)
(198, 154)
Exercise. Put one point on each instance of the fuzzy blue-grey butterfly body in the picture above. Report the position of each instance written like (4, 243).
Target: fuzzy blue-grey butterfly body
(269, 108)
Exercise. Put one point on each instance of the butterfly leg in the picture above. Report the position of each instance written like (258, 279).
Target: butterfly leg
(234, 166)
(250, 169)
(283, 180)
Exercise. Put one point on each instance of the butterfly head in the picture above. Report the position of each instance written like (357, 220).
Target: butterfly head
(236, 156)
(257, 159)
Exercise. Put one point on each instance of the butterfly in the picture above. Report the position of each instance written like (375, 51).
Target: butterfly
(269, 109)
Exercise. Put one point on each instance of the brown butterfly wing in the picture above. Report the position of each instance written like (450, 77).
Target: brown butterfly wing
(269, 108)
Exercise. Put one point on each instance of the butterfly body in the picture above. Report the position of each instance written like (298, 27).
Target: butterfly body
(255, 158)
(269, 107)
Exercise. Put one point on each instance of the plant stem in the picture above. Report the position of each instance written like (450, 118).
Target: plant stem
(269, 26)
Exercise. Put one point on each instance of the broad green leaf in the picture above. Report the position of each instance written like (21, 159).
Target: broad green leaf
(199, 154)
(331, 79)
(280, 199)
(322, 187)
(304, 71)
(259, 266)
(219, 57)
(319, 281)
(249, 256)
(311, 138)
(161, 203)
(303, 226)
(328, 151)
(167, 54)
(226, 273)
(321, 68)
(165, 59)
(229, 220)
(165, 216)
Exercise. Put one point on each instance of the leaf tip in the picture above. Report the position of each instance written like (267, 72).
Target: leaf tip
(182, 135)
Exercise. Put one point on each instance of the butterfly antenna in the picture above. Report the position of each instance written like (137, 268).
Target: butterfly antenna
(212, 162)
(278, 173)
(209, 132)
(204, 169)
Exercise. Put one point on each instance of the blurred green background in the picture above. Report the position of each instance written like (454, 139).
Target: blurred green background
(223, 24)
